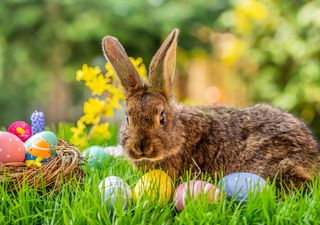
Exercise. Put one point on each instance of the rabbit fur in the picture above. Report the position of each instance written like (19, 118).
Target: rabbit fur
(159, 132)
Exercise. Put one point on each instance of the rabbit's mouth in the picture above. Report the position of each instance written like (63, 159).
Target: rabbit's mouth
(150, 155)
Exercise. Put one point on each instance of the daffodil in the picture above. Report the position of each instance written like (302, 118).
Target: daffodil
(106, 95)
(100, 132)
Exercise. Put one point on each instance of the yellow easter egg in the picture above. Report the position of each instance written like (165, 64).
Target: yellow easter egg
(155, 186)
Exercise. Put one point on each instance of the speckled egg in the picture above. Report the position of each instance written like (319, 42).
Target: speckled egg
(96, 155)
(47, 136)
(115, 191)
(238, 185)
(12, 148)
(155, 186)
(192, 189)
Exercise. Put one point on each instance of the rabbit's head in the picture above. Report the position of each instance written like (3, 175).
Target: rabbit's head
(150, 130)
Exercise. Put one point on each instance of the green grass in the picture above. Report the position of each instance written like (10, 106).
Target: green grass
(76, 204)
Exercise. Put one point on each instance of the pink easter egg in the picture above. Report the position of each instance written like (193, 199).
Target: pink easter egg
(21, 129)
(12, 148)
(192, 189)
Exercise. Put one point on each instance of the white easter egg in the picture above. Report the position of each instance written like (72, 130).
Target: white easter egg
(115, 191)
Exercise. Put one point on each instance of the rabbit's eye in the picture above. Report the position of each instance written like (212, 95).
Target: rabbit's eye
(162, 118)
(127, 120)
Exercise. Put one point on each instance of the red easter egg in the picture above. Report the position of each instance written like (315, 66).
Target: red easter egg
(21, 129)
(12, 148)
(192, 189)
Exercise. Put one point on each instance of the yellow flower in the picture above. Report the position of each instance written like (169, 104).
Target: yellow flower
(79, 129)
(140, 67)
(87, 73)
(107, 92)
(231, 49)
(100, 132)
(248, 12)
(253, 9)
(79, 141)
(79, 135)
(36, 162)
(93, 108)
(98, 85)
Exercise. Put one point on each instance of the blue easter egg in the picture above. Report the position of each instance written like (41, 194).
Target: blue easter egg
(115, 192)
(96, 155)
(238, 185)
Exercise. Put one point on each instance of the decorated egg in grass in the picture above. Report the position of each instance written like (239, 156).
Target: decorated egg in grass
(154, 186)
(40, 143)
(191, 190)
(115, 192)
(21, 129)
(237, 186)
(12, 148)
(96, 155)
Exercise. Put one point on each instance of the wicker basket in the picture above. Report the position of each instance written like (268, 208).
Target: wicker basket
(56, 171)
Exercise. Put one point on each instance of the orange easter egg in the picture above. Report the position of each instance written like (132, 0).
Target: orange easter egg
(40, 148)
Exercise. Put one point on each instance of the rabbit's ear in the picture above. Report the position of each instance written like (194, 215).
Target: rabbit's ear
(119, 60)
(162, 67)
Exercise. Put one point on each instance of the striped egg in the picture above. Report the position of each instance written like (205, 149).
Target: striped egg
(192, 189)
(40, 148)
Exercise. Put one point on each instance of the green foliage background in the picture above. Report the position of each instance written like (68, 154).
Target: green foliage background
(48, 40)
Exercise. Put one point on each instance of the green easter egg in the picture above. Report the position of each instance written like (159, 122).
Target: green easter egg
(96, 155)
(48, 136)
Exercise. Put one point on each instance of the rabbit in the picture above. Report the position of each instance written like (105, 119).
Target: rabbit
(159, 132)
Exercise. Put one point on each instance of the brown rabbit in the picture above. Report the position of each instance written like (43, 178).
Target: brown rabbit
(158, 132)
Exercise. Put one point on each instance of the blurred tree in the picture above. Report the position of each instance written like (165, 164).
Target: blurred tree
(43, 43)
(280, 62)
(273, 45)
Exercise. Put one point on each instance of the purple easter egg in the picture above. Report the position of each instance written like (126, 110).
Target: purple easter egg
(238, 185)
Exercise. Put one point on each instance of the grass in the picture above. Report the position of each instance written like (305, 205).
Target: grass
(76, 204)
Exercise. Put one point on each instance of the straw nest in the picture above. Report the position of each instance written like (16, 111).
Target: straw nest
(52, 174)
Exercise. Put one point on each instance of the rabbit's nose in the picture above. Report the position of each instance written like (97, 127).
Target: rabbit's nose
(143, 146)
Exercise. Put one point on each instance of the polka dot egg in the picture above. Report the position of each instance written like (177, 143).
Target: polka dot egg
(238, 185)
(192, 189)
(12, 148)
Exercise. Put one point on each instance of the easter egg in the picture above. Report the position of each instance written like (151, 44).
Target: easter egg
(12, 148)
(21, 129)
(115, 191)
(238, 185)
(47, 136)
(155, 186)
(192, 189)
(115, 151)
(40, 148)
(96, 155)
